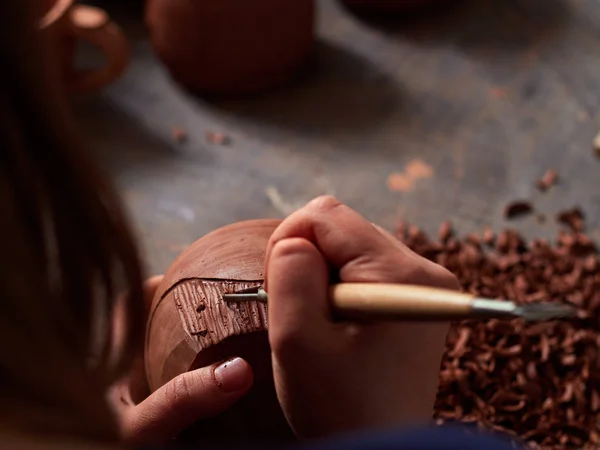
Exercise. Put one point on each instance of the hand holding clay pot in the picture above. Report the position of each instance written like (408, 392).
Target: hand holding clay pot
(151, 419)
(332, 377)
(329, 377)
(190, 327)
(64, 23)
(229, 47)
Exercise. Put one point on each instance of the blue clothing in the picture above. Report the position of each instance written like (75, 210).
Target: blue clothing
(431, 438)
(435, 438)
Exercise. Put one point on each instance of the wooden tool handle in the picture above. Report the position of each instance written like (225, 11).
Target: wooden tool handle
(393, 301)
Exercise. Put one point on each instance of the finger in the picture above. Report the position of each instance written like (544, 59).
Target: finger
(119, 397)
(334, 228)
(437, 275)
(298, 279)
(119, 320)
(191, 396)
(137, 383)
(351, 244)
(138, 386)
(386, 234)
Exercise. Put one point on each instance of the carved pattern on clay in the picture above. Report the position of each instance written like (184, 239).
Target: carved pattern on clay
(208, 320)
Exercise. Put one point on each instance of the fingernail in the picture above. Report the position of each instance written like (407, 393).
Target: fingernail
(232, 375)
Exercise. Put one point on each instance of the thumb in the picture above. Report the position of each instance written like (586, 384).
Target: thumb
(297, 277)
(187, 398)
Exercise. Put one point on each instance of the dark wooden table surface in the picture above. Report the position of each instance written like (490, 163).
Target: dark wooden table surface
(445, 116)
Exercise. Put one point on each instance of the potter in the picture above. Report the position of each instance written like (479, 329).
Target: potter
(231, 47)
(69, 252)
(190, 326)
(65, 23)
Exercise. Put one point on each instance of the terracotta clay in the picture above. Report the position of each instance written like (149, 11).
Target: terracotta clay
(64, 23)
(190, 326)
(231, 47)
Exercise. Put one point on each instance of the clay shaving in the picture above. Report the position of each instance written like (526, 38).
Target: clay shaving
(517, 208)
(573, 218)
(179, 135)
(538, 382)
(216, 138)
(548, 180)
(596, 144)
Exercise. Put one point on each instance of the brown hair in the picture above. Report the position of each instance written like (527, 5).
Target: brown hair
(67, 250)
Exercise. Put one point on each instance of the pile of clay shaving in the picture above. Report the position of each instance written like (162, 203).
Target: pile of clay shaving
(540, 381)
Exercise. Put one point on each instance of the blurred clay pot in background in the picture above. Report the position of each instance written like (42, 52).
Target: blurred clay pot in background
(190, 326)
(230, 47)
(388, 5)
(64, 24)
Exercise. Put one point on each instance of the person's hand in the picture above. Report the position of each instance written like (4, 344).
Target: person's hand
(158, 417)
(339, 377)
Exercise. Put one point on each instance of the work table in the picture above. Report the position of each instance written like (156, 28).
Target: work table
(447, 117)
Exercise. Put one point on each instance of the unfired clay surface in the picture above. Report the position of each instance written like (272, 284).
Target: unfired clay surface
(190, 326)
(232, 47)
(207, 320)
(188, 315)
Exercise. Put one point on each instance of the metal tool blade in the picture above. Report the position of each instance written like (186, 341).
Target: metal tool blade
(259, 296)
(546, 311)
(488, 308)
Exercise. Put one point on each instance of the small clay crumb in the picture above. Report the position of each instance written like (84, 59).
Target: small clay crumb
(488, 236)
(216, 138)
(201, 307)
(596, 144)
(473, 239)
(517, 208)
(548, 180)
(414, 231)
(573, 218)
(179, 135)
(445, 231)
(534, 381)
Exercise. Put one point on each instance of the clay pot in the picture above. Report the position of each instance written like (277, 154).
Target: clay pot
(64, 23)
(388, 5)
(231, 47)
(190, 326)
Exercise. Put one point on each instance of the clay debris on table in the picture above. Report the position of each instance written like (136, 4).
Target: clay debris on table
(517, 208)
(179, 135)
(572, 218)
(539, 381)
(548, 180)
(596, 144)
(216, 138)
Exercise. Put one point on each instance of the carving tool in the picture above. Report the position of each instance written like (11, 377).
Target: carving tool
(418, 303)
